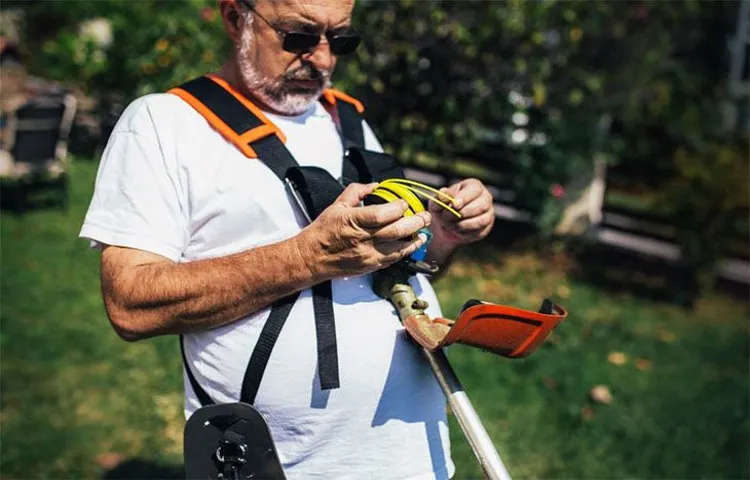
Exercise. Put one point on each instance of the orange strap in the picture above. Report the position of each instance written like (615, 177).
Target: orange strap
(331, 95)
(240, 139)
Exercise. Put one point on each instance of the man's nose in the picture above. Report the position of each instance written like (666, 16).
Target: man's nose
(321, 57)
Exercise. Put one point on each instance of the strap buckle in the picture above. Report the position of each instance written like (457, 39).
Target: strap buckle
(232, 456)
(231, 452)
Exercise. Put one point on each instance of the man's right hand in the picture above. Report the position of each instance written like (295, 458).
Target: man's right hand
(348, 239)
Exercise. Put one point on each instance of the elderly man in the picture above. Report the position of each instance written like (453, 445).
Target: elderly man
(199, 240)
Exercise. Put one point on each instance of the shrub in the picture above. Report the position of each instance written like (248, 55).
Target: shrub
(154, 44)
(520, 86)
(706, 199)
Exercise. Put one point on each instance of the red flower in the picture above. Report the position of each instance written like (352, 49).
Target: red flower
(207, 14)
(641, 12)
(557, 190)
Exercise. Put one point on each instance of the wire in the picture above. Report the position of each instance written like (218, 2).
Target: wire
(411, 186)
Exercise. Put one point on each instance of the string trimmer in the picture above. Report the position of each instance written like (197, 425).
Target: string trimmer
(506, 331)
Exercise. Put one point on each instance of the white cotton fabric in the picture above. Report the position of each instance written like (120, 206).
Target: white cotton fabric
(169, 184)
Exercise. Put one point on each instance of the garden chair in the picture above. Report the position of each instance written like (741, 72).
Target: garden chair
(35, 148)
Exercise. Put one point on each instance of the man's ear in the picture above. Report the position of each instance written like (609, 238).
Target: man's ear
(232, 19)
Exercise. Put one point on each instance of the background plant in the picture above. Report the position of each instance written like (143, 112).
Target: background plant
(520, 88)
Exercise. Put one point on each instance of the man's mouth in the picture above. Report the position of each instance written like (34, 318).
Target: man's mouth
(306, 76)
(305, 82)
(304, 85)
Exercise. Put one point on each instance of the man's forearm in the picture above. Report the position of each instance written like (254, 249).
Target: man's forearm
(147, 295)
(158, 298)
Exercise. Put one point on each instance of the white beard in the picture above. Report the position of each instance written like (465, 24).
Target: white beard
(271, 90)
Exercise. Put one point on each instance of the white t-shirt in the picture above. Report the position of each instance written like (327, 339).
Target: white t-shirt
(170, 184)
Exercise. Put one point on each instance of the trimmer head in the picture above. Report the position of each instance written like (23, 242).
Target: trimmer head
(506, 331)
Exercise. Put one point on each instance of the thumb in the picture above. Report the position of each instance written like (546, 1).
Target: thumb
(353, 194)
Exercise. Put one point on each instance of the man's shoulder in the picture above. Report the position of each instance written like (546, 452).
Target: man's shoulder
(162, 101)
(153, 112)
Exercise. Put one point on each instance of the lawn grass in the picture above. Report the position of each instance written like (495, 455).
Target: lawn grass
(72, 391)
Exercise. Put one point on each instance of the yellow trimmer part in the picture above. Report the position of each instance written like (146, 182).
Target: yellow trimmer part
(410, 184)
(415, 204)
(389, 196)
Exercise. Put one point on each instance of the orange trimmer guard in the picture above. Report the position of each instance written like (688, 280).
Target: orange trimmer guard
(506, 331)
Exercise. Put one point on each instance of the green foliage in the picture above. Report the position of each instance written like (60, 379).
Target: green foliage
(155, 44)
(448, 77)
(521, 87)
(707, 196)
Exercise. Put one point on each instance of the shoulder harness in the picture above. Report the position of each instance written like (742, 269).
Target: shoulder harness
(243, 124)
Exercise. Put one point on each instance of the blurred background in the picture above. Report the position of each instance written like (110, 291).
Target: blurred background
(614, 137)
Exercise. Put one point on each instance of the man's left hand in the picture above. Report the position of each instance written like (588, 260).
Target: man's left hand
(475, 204)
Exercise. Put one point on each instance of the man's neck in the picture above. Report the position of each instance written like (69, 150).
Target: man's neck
(229, 72)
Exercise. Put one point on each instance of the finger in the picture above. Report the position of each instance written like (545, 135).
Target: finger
(463, 193)
(476, 207)
(476, 224)
(395, 250)
(376, 216)
(466, 191)
(403, 228)
(354, 193)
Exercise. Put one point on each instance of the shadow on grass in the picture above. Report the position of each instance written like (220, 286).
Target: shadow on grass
(136, 468)
(23, 197)
(618, 270)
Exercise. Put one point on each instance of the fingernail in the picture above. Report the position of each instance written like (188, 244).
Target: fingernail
(422, 236)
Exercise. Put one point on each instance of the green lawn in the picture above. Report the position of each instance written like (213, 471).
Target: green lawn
(72, 391)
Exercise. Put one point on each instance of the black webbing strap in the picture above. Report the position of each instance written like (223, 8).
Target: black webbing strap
(351, 125)
(272, 152)
(223, 104)
(256, 366)
(278, 158)
(325, 332)
(352, 135)
(202, 395)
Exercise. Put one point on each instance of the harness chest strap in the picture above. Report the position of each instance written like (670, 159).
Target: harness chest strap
(244, 125)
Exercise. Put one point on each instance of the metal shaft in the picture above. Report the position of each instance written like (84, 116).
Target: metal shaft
(467, 417)
(400, 293)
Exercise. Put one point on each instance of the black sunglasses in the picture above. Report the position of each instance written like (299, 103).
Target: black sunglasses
(302, 42)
